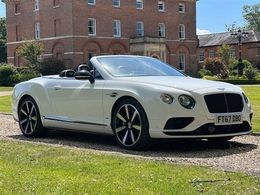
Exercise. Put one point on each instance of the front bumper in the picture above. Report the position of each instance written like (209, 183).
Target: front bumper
(197, 123)
(211, 130)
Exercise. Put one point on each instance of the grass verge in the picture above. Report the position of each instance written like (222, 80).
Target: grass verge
(253, 92)
(5, 104)
(6, 88)
(27, 168)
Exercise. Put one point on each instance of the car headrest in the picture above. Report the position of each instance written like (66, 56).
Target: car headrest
(67, 73)
(83, 67)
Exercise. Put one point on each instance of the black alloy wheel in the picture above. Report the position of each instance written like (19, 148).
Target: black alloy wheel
(29, 119)
(130, 125)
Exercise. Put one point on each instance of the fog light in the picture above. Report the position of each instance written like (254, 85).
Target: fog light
(211, 129)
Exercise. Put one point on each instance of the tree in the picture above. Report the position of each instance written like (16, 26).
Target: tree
(31, 51)
(252, 16)
(224, 54)
(3, 49)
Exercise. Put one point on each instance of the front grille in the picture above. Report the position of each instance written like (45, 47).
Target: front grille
(224, 103)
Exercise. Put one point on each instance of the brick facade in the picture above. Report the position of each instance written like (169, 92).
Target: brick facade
(64, 29)
(250, 48)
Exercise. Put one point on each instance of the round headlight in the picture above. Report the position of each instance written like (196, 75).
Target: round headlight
(187, 101)
(166, 98)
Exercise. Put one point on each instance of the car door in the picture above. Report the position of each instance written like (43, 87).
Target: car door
(77, 101)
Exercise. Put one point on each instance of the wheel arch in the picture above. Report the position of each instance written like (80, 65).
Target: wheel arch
(120, 100)
(22, 98)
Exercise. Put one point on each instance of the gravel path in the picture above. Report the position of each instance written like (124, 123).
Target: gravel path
(241, 154)
(5, 93)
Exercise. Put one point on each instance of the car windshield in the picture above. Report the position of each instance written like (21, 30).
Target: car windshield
(135, 67)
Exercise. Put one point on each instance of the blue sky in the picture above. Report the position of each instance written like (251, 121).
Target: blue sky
(212, 15)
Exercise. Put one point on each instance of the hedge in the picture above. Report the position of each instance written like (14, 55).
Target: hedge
(241, 82)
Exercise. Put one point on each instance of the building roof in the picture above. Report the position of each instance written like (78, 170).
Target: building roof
(226, 38)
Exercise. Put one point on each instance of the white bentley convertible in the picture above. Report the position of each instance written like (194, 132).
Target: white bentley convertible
(136, 99)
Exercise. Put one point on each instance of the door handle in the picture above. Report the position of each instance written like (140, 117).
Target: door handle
(114, 94)
(56, 88)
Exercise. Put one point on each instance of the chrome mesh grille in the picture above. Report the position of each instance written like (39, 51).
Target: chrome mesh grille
(224, 103)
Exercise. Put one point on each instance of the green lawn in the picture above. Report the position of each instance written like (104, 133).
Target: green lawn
(27, 168)
(253, 92)
(6, 89)
(5, 103)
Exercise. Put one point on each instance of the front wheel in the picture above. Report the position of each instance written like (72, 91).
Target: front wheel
(29, 119)
(130, 125)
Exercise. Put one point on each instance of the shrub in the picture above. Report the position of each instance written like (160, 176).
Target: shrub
(251, 73)
(233, 77)
(51, 66)
(203, 72)
(235, 63)
(210, 77)
(5, 64)
(20, 77)
(216, 67)
(6, 73)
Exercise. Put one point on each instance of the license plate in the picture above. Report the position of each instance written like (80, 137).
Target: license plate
(228, 119)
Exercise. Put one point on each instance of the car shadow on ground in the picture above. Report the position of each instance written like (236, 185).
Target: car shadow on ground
(170, 148)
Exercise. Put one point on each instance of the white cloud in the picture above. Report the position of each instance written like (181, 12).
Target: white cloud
(202, 32)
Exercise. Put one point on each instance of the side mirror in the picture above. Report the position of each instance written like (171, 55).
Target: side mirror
(84, 75)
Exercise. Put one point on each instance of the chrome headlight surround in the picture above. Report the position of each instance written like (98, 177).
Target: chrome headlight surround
(187, 101)
(166, 98)
(245, 98)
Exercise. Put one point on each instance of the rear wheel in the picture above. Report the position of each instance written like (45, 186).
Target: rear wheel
(29, 119)
(130, 125)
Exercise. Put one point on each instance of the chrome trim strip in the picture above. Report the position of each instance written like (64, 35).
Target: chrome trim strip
(78, 122)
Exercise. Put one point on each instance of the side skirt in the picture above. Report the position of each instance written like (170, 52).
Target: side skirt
(64, 124)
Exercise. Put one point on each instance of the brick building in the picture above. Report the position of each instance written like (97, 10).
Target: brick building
(76, 30)
(208, 46)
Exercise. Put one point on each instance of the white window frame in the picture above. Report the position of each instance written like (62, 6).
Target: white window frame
(116, 3)
(162, 31)
(181, 32)
(139, 4)
(161, 3)
(139, 31)
(116, 28)
(36, 5)
(182, 61)
(37, 30)
(181, 5)
(92, 3)
(201, 56)
(94, 27)
(232, 53)
(211, 53)
(16, 11)
(56, 5)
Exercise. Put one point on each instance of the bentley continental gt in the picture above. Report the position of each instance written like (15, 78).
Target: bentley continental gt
(134, 98)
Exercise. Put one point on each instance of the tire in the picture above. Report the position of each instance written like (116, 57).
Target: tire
(130, 125)
(220, 139)
(30, 119)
